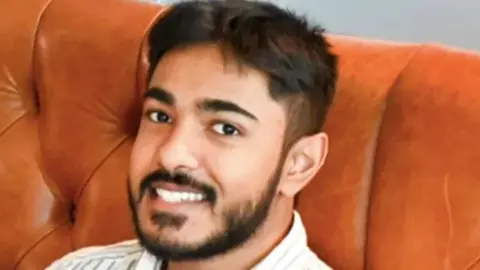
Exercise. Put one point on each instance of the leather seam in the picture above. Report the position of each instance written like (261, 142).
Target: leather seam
(11, 124)
(474, 263)
(100, 164)
(36, 243)
(36, 94)
(374, 149)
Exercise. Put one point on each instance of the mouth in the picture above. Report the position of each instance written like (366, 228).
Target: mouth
(178, 196)
(169, 194)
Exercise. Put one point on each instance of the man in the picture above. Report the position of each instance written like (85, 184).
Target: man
(231, 132)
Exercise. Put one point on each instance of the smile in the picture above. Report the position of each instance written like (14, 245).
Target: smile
(179, 196)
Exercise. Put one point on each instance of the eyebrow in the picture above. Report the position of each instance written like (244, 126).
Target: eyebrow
(160, 95)
(210, 105)
(218, 105)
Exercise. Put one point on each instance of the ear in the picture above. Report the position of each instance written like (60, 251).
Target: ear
(304, 160)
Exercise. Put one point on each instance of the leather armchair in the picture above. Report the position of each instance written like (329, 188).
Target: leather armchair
(399, 189)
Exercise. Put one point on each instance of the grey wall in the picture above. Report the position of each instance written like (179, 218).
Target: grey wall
(451, 22)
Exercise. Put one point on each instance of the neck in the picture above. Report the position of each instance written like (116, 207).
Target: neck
(271, 233)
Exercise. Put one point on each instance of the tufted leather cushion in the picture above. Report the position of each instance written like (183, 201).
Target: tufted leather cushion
(399, 189)
(68, 113)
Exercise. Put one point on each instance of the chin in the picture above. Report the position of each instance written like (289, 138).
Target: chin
(187, 235)
(177, 245)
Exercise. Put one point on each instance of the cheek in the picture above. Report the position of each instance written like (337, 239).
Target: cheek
(142, 154)
(244, 172)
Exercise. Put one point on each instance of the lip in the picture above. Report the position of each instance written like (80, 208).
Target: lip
(156, 202)
(174, 187)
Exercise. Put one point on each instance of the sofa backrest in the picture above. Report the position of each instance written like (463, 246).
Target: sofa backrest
(68, 91)
(398, 191)
(400, 186)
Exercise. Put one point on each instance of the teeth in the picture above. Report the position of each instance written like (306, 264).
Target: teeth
(176, 197)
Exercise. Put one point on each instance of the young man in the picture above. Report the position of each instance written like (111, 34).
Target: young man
(231, 132)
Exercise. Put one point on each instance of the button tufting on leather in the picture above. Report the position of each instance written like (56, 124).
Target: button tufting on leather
(72, 212)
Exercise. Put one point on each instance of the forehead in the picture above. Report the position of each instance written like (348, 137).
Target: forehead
(201, 71)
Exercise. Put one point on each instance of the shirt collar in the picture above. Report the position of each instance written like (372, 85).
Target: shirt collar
(296, 239)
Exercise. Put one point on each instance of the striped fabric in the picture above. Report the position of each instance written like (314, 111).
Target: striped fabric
(291, 254)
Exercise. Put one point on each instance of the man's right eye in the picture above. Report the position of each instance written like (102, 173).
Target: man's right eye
(158, 117)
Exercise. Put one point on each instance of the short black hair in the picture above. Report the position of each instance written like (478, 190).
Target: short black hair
(293, 53)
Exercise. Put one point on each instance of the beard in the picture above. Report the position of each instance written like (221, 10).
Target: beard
(240, 223)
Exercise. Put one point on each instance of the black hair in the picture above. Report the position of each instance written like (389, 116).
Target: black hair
(294, 53)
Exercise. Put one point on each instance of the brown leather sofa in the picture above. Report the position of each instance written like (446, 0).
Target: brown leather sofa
(400, 189)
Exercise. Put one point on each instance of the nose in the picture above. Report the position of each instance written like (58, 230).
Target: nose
(176, 152)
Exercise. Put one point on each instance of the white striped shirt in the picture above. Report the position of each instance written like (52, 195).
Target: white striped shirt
(291, 254)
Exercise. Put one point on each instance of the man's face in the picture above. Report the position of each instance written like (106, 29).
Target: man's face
(206, 162)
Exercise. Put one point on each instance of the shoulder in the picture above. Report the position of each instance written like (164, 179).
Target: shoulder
(123, 255)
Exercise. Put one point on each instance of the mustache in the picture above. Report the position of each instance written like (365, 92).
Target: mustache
(181, 179)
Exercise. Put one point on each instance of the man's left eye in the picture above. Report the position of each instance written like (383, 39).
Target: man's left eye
(226, 129)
